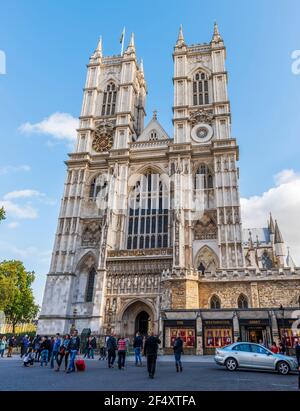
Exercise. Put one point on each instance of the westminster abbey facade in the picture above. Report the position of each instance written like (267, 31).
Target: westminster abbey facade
(149, 234)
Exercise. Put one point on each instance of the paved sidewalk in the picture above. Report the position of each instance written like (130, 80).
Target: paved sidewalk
(161, 358)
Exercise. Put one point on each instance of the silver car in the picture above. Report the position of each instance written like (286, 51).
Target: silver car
(249, 355)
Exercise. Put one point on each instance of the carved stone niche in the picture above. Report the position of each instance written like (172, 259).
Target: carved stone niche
(201, 116)
(91, 233)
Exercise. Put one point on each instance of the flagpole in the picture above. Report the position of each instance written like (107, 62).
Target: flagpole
(123, 39)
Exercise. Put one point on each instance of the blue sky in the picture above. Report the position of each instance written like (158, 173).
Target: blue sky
(47, 45)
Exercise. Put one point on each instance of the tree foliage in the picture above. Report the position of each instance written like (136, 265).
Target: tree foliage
(2, 214)
(19, 305)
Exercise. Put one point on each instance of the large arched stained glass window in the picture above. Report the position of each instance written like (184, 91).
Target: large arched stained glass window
(148, 214)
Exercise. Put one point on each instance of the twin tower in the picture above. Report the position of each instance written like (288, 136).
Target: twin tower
(149, 223)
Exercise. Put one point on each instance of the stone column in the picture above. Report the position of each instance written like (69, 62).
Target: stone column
(236, 327)
(199, 350)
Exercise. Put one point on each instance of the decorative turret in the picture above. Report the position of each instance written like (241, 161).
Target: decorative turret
(280, 250)
(180, 41)
(131, 46)
(216, 36)
(289, 260)
(271, 228)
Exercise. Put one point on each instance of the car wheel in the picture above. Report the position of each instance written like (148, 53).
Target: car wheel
(231, 364)
(283, 368)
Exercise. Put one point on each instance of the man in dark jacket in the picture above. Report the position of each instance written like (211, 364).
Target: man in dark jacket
(111, 346)
(74, 348)
(178, 350)
(150, 351)
(138, 346)
(45, 350)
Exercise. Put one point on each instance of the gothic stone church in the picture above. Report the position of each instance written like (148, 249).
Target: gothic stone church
(149, 233)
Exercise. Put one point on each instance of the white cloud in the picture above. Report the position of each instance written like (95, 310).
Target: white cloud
(13, 224)
(23, 194)
(283, 200)
(60, 126)
(22, 212)
(8, 169)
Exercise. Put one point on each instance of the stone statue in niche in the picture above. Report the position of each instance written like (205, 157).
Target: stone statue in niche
(166, 299)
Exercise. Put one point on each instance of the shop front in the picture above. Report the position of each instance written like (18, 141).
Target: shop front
(256, 330)
(289, 331)
(186, 329)
(216, 334)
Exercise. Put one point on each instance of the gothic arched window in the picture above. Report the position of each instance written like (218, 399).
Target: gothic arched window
(215, 302)
(109, 100)
(90, 286)
(148, 214)
(200, 89)
(242, 301)
(204, 178)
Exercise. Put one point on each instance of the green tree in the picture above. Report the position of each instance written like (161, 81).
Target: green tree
(20, 305)
(2, 214)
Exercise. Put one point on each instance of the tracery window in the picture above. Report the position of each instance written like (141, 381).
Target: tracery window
(98, 184)
(148, 214)
(215, 302)
(204, 178)
(90, 286)
(109, 100)
(200, 89)
(242, 301)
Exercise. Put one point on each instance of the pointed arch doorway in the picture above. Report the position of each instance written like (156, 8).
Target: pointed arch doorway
(138, 316)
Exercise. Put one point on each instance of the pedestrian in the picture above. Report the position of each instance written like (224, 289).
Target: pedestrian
(36, 347)
(93, 346)
(63, 353)
(274, 348)
(111, 345)
(121, 353)
(3, 345)
(282, 347)
(11, 344)
(29, 358)
(88, 347)
(55, 349)
(150, 351)
(138, 347)
(74, 348)
(24, 345)
(178, 351)
(45, 350)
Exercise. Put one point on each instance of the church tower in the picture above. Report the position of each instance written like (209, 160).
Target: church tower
(202, 134)
(112, 116)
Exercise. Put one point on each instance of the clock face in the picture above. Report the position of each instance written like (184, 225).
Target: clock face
(102, 143)
(202, 133)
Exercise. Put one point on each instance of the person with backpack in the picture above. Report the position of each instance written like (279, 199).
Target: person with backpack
(11, 344)
(111, 345)
(150, 351)
(138, 346)
(178, 351)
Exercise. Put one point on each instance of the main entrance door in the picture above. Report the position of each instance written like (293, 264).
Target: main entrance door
(142, 323)
(138, 316)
